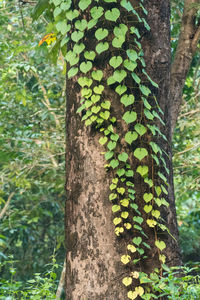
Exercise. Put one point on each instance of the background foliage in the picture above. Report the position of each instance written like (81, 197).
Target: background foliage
(32, 155)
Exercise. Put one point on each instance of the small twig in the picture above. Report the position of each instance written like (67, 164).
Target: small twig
(2, 213)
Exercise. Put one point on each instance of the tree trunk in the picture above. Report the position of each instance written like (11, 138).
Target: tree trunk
(94, 270)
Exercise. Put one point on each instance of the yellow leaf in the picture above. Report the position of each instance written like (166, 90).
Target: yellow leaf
(125, 202)
(127, 281)
(155, 213)
(162, 258)
(135, 274)
(119, 230)
(132, 295)
(124, 214)
(48, 38)
(116, 221)
(139, 290)
(151, 223)
(125, 259)
(131, 248)
(127, 225)
(160, 245)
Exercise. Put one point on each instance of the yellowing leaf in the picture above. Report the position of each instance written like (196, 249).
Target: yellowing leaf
(125, 202)
(162, 258)
(125, 259)
(131, 248)
(127, 281)
(160, 245)
(139, 290)
(127, 225)
(124, 214)
(48, 38)
(119, 230)
(116, 221)
(135, 274)
(132, 295)
(155, 213)
(151, 223)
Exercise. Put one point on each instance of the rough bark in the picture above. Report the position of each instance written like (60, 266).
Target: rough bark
(93, 268)
(187, 46)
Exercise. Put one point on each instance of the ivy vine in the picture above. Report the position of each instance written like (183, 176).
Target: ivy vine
(114, 28)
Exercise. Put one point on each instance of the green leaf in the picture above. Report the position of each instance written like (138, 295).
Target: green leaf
(123, 156)
(140, 153)
(127, 100)
(96, 12)
(109, 155)
(101, 33)
(129, 173)
(138, 220)
(130, 65)
(145, 90)
(137, 240)
(140, 129)
(85, 66)
(97, 75)
(112, 15)
(120, 172)
(111, 145)
(39, 9)
(72, 72)
(130, 137)
(148, 114)
(106, 104)
(147, 197)
(136, 78)
(112, 196)
(95, 98)
(120, 89)
(118, 41)
(105, 114)
(132, 54)
(78, 48)
(119, 75)
(114, 163)
(76, 36)
(142, 170)
(115, 61)
(160, 245)
(114, 137)
(103, 140)
(71, 14)
(83, 4)
(101, 47)
(98, 89)
(127, 5)
(129, 117)
(81, 24)
(90, 55)
(63, 27)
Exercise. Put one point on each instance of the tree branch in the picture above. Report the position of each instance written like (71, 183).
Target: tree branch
(2, 213)
(187, 46)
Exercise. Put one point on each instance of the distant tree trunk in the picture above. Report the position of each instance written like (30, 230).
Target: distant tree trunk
(93, 268)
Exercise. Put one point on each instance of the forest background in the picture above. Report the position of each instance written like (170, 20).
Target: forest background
(32, 149)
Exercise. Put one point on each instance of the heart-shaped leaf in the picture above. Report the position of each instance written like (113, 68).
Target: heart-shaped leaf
(127, 281)
(127, 99)
(103, 140)
(132, 295)
(96, 12)
(130, 65)
(83, 4)
(127, 226)
(106, 105)
(112, 15)
(101, 33)
(155, 213)
(140, 153)
(130, 137)
(140, 129)
(131, 248)
(114, 163)
(95, 98)
(151, 223)
(117, 221)
(147, 208)
(81, 24)
(78, 48)
(125, 259)
(118, 41)
(115, 208)
(147, 197)
(98, 89)
(123, 156)
(138, 219)
(120, 89)
(85, 81)
(97, 75)
(115, 61)
(130, 117)
(125, 202)
(120, 172)
(124, 214)
(142, 170)
(160, 245)
(132, 54)
(111, 145)
(76, 36)
(119, 75)
(85, 66)
(63, 27)
(72, 72)
(101, 47)
(90, 55)
(95, 109)
(105, 114)
(108, 155)
(121, 30)
(137, 240)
